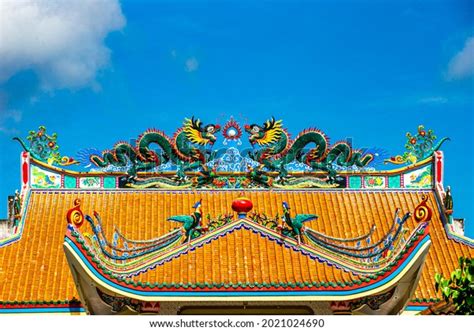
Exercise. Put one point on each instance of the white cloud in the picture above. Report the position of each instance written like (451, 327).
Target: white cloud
(13, 114)
(61, 41)
(433, 100)
(9, 119)
(191, 64)
(462, 64)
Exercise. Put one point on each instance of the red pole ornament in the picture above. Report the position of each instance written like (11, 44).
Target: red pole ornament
(242, 206)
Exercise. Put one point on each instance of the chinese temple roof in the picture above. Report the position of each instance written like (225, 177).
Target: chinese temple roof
(39, 268)
(162, 226)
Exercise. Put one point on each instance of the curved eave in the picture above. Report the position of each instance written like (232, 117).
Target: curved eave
(449, 233)
(83, 267)
(42, 308)
(316, 253)
(458, 238)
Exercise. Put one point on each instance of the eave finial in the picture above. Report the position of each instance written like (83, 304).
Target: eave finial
(423, 212)
(44, 147)
(419, 146)
(74, 215)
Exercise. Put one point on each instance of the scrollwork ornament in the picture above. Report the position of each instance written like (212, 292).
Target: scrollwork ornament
(423, 212)
(75, 216)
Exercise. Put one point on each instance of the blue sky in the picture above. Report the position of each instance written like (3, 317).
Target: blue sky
(370, 70)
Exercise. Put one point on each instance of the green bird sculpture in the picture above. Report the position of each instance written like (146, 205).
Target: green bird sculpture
(296, 223)
(191, 223)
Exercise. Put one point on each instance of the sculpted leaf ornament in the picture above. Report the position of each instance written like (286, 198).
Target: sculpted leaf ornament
(44, 147)
(418, 147)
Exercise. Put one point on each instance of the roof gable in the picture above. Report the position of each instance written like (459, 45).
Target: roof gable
(341, 214)
(246, 268)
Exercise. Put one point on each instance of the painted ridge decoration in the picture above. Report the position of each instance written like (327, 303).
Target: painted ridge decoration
(190, 160)
(115, 279)
(186, 150)
(189, 155)
(44, 148)
(418, 147)
(277, 150)
(232, 132)
(121, 257)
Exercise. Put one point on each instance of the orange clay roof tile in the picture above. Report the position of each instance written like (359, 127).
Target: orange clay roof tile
(35, 268)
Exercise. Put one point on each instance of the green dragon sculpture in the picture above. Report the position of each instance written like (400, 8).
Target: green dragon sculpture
(181, 149)
(277, 150)
(191, 223)
(296, 223)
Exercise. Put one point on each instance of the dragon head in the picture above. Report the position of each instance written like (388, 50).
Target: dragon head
(267, 134)
(199, 134)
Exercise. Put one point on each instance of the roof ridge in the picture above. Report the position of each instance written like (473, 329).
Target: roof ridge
(412, 254)
(320, 253)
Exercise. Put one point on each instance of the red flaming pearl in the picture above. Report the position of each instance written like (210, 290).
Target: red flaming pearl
(242, 206)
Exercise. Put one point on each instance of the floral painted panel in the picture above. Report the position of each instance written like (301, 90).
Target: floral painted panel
(420, 178)
(374, 182)
(41, 178)
(89, 182)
